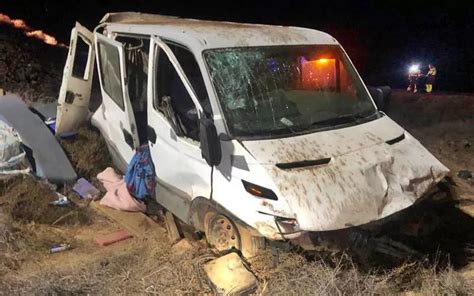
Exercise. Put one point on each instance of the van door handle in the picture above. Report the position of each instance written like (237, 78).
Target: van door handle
(151, 134)
(128, 138)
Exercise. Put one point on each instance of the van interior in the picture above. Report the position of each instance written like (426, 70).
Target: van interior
(171, 97)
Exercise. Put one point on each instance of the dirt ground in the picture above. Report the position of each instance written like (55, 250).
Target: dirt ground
(444, 123)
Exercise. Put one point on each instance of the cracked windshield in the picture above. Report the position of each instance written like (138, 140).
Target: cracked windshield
(283, 90)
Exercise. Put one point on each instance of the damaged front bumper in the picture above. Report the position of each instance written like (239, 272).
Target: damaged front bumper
(378, 236)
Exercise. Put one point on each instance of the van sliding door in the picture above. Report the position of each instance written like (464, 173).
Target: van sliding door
(121, 132)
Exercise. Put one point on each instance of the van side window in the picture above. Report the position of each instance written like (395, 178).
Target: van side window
(171, 97)
(191, 69)
(110, 72)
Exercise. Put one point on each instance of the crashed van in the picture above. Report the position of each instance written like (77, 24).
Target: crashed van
(257, 133)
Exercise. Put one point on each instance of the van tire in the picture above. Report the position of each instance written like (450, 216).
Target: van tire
(219, 235)
(251, 245)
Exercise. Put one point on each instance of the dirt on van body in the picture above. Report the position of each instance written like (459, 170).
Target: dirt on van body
(29, 226)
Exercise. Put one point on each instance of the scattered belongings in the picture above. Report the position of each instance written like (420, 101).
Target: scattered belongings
(56, 248)
(140, 175)
(12, 156)
(114, 237)
(46, 156)
(85, 189)
(229, 276)
(465, 174)
(61, 201)
(51, 123)
(117, 195)
(183, 248)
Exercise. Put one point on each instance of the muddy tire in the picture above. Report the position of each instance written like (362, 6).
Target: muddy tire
(224, 234)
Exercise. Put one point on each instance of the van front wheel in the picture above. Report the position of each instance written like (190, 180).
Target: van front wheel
(224, 234)
(221, 232)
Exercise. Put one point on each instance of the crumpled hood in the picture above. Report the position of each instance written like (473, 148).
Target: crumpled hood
(366, 178)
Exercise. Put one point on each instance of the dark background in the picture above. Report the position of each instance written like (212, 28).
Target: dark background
(381, 37)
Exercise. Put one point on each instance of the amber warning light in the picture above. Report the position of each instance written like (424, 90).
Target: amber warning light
(30, 32)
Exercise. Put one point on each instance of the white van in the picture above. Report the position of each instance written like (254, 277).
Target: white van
(256, 132)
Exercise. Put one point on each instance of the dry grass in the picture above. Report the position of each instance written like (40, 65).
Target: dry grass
(151, 268)
(147, 267)
(87, 152)
(297, 276)
(25, 200)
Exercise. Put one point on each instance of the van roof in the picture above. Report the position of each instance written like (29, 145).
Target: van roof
(216, 34)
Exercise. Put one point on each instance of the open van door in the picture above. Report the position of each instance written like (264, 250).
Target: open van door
(120, 128)
(181, 171)
(75, 92)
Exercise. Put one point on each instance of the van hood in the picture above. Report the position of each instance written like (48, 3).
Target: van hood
(348, 177)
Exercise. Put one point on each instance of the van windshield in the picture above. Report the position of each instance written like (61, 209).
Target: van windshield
(277, 91)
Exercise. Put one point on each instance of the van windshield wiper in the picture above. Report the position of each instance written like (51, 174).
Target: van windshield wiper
(343, 119)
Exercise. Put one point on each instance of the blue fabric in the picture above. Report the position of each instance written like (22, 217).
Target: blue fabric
(140, 175)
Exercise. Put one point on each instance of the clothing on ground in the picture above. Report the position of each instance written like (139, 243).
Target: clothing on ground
(117, 195)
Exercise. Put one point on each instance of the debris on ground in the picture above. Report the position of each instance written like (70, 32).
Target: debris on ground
(183, 248)
(229, 276)
(118, 197)
(12, 156)
(111, 238)
(45, 154)
(85, 189)
(26, 200)
(465, 174)
(56, 248)
(61, 201)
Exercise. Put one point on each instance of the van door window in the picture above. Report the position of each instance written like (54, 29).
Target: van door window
(171, 97)
(136, 67)
(110, 73)
(81, 59)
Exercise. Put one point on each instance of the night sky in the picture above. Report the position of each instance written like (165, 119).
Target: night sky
(381, 37)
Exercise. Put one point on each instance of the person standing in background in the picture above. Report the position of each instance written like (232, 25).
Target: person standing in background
(430, 78)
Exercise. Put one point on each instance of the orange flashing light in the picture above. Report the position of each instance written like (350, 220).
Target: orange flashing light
(322, 61)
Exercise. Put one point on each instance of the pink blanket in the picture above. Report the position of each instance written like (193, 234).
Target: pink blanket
(117, 195)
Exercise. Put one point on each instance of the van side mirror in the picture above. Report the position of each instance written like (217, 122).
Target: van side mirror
(210, 143)
(377, 95)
